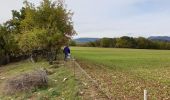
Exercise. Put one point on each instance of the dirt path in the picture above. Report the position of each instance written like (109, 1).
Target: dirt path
(88, 90)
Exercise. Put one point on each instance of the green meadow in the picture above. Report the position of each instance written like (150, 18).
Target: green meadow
(129, 70)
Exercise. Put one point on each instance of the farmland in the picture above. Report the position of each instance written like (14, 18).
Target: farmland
(125, 73)
(120, 74)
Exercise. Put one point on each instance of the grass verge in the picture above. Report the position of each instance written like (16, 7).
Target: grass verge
(62, 83)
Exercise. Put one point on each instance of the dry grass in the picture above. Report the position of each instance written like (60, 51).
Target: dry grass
(26, 82)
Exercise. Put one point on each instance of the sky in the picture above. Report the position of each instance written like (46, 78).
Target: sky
(110, 18)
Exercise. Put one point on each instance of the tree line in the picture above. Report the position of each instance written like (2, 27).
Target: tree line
(129, 42)
(46, 27)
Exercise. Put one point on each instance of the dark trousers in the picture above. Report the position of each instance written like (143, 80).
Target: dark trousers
(65, 57)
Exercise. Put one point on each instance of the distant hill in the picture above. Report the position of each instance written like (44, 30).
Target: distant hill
(85, 40)
(160, 38)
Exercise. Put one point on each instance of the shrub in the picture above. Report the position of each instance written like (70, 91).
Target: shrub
(26, 82)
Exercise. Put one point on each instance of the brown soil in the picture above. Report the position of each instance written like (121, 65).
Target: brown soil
(123, 85)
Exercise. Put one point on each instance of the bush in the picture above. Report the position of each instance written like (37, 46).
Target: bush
(26, 82)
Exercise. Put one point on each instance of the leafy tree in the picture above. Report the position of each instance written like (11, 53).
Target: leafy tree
(129, 42)
(7, 42)
(14, 24)
(52, 20)
(72, 43)
(91, 44)
(7, 45)
(142, 43)
(97, 43)
(106, 42)
(48, 26)
(125, 42)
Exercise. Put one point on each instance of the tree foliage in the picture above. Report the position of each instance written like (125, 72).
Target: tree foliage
(50, 23)
(129, 42)
(48, 26)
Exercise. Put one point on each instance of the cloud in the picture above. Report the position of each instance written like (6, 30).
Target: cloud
(110, 18)
(6, 6)
(124, 17)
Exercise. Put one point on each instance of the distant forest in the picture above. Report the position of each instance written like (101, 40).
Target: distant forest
(127, 42)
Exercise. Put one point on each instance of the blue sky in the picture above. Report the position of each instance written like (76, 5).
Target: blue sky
(111, 18)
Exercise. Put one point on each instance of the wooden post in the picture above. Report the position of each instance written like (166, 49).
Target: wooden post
(145, 94)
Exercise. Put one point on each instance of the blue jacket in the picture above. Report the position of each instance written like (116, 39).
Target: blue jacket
(66, 50)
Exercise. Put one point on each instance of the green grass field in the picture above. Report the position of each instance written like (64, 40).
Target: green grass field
(128, 70)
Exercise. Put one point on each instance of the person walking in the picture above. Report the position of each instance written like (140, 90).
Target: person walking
(66, 51)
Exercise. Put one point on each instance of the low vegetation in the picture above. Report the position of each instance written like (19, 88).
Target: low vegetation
(26, 82)
(61, 83)
(125, 73)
